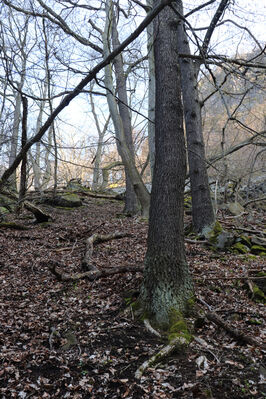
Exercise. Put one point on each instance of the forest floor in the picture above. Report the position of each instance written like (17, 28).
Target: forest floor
(78, 340)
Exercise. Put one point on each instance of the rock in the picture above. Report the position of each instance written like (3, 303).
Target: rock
(244, 239)
(224, 240)
(235, 208)
(241, 248)
(68, 200)
(258, 250)
(255, 240)
(76, 185)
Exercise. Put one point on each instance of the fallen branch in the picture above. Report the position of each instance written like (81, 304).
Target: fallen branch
(92, 274)
(12, 225)
(166, 351)
(39, 214)
(235, 333)
(229, 278)
(188, 240)
(252, 231)
(254, 200)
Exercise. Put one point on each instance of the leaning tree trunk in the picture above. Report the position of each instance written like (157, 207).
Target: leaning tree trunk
(202, 210)
(139, 187)
(167, 284)
(131, 204)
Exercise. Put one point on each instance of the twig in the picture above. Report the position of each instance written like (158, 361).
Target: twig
(235, 333)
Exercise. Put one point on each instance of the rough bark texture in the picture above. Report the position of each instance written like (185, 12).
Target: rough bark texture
(202, 209)
(151, 109)
(167, 284)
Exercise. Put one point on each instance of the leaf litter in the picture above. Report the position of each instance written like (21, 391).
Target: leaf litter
(75, 339)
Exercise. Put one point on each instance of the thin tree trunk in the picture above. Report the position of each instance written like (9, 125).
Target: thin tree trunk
(131, 204)
(139, 187)
(202, 210)
(167, 284)
(99, 150)
(23, 170)
(151, 106)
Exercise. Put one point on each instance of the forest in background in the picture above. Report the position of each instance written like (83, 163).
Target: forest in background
(40, 59)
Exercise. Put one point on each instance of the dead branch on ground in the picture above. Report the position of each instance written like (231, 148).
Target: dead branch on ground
(235, 333)
(92, 274)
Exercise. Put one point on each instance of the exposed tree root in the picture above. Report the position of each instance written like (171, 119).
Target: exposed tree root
(95, 239)
(92, 274)
(166, 351)
(236, 334)
(147, 324)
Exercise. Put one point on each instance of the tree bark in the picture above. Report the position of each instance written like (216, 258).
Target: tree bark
(131, 203)
(167, 284)
(139, 187)
(202, 210)
(23, 170)
(151, 106)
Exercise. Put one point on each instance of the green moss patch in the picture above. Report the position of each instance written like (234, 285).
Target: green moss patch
(258, 250)
(238, 247)
(178, 327)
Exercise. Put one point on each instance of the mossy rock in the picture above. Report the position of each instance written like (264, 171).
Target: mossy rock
(76, 185)
(212, 232)
(235, 208)
(238, 247)
(258, 250)
(67, 200)
(245, 240)
(258, 294)
(71, 200)
(219, 238)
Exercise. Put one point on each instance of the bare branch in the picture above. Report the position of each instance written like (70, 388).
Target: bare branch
(199, 8)
(78, 89)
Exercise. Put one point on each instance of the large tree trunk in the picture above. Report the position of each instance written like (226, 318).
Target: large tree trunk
(202, 210)
(167, 284)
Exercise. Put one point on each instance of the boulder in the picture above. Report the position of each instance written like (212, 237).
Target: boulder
(235, 208)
